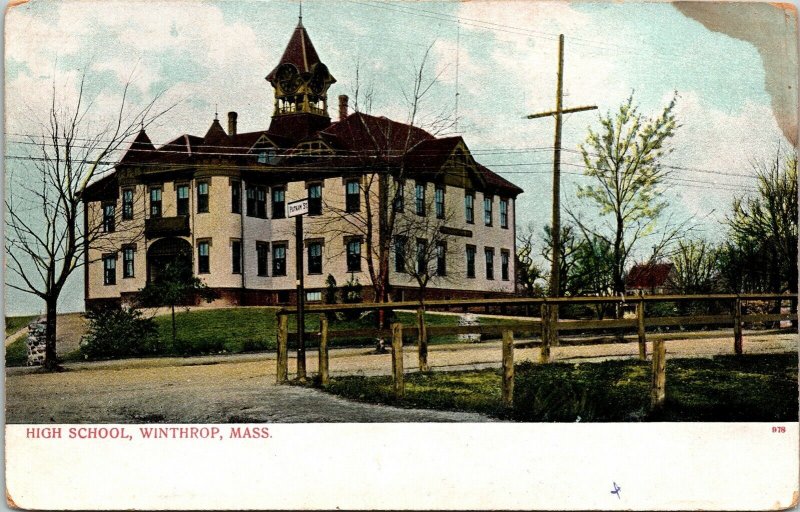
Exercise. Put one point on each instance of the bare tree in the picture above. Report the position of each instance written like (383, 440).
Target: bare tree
(695, 267)
(529, 271)
(46, 238)
(384, 168)
(421, 252)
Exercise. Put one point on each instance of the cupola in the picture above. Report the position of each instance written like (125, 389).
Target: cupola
(300, 79)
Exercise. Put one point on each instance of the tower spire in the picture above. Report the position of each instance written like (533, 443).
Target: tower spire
(300, 17)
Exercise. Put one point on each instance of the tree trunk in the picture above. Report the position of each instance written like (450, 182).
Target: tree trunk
(174, 327)
(50, 357)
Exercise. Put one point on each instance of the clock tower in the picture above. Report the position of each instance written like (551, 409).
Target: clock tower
(301, 81)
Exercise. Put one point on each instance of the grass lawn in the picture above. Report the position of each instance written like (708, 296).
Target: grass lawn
(15, 323)
(759, 387)
(237, 330)
(17, 353)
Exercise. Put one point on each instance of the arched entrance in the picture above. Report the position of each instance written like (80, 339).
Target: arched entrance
(166, 251)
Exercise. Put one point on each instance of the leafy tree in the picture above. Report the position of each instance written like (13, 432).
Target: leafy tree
(624, 161)
(175, 285)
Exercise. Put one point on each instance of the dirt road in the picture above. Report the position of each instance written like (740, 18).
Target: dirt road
(218, 389)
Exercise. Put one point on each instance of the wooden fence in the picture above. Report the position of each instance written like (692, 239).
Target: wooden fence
(547, 327)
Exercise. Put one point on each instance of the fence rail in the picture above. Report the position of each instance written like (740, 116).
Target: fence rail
(547, 327)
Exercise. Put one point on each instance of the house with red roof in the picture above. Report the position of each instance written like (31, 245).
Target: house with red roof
(650, 278)
(218, 202)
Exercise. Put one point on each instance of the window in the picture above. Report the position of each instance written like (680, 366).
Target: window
(127, 260)
(262, 157)
(422, 257)
(257, 202)
(469, 206)
(109, 213)
(399, 195)
(236, 197)
(471, 261)
(183, 199)
(315, 257)
(487, 210)
(504, 213)
(419, 198)
(504, 257)
(155, 202)
(439, 200)
(441, 258)
(236, 256)
(400, 243)
(278, 202)
(202, 197)
(352, 197)
(203, 263)
(262, 257)
(279, 260)
(489, 252)
(313, 296)
(110, 269)
(127, 204)
(354, 255)
(315, 199)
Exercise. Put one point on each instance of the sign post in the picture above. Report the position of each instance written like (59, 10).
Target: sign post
(297, 209)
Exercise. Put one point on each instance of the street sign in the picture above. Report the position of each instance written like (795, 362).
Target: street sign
(298, 208)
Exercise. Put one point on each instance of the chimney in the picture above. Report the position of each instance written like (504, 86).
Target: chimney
(342, 106)
(232, 124)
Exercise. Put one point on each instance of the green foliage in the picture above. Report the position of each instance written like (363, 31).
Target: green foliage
(17, 353)
(330, 290)
(15, 323)
(175, 285)
(761, 253)
(724, 388)
(118, 332)
(624, 161)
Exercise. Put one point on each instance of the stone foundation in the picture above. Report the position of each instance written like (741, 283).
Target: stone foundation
(37, 334)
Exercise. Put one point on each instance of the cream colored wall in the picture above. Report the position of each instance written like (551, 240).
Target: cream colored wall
(482, 236)
(220, 225)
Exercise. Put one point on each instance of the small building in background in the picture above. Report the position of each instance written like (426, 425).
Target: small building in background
(650, 278)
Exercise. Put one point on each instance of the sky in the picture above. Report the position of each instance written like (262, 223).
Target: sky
(500, 57)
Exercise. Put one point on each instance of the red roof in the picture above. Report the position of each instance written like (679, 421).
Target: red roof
(651, 275)
(300, 52)
(138, 148)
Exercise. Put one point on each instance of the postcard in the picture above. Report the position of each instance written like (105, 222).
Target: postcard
(401, 255)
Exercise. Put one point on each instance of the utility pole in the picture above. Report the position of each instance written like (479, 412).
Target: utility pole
(555, 285)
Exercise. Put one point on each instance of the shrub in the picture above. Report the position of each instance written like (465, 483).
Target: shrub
(118, 332)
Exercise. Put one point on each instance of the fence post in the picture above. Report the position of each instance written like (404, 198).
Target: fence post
(508, 368)
(397, 360)
(640, 325)
(422, 341)
(737, 326)
(554, 341)
(283, 349)
(323, 350)
(544, 354)
(658, 386)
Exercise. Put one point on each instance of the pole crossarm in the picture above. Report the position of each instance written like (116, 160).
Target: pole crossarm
(558, 113)
(563, 111)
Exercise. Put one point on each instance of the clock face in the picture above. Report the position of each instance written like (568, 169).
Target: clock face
(318, 78)
(288, 78)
